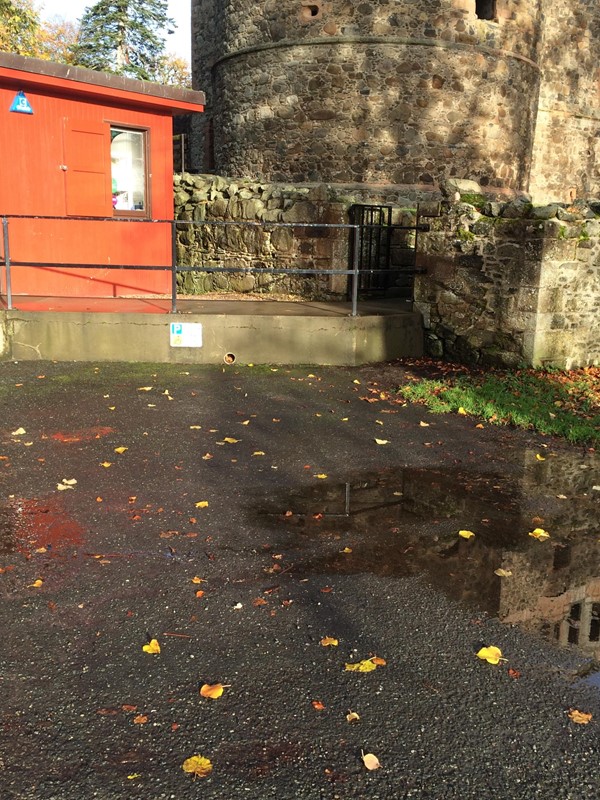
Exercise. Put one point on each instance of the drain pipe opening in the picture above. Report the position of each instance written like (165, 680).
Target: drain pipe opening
(229, 358)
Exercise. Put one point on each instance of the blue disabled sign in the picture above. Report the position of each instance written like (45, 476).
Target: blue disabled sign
(21, 104)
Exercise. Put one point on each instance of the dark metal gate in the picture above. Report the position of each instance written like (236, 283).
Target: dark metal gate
(384, 251)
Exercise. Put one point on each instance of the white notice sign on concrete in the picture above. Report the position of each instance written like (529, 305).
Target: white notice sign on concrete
(186, 334)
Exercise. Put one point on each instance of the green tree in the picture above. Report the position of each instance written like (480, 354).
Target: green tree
(19, 22)
(124, 36)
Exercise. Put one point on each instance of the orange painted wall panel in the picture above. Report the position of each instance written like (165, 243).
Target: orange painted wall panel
(39, 156)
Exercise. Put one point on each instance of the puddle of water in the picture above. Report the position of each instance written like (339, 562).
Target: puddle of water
(405, 521)
(29, 524)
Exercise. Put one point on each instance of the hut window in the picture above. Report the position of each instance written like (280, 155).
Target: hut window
(128, 171)
(485, 9)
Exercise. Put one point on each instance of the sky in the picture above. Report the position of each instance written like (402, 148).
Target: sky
(178, 42)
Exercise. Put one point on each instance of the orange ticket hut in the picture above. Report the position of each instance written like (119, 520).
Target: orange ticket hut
(78, 143)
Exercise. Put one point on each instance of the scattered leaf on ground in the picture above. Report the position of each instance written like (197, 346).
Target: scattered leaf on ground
(370, 760)
(258, 453)
(152, 647)
(539, 457)
(121, 450)
(513, 673)
(540, 534)
(213, 691)
(361, 666)
(207, 457)
(196, 579)
(318, 705)
(380, 662)
(144, 388)
(202, 504)
(423, 424)
(37, 584)
(199, 593)
(328, 641)
(381, 441)
(140, 719)
(462, 410)
(346, 550)
(321, 476)
(352, 716)
(580, 717)
(491, 654)
(229, 440)
(106, 464)
(503, 573)
(197, 765)
(466, 534)
(19, 432)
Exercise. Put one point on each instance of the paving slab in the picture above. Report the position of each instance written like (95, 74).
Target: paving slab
(241, 515)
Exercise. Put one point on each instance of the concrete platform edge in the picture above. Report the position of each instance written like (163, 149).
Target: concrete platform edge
(336, 340)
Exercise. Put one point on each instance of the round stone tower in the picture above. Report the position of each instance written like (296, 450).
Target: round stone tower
(368, 92)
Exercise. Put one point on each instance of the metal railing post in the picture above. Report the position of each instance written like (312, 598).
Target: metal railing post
(6, 249)
(355, 262)
(173, 267)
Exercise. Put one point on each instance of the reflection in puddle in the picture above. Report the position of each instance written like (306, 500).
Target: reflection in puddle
(405, 521)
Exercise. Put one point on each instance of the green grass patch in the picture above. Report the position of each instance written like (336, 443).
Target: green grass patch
(548, 401)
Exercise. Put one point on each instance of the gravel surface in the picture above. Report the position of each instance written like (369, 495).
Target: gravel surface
(312, 530)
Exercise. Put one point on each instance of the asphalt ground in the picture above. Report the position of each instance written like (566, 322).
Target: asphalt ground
(312, 530)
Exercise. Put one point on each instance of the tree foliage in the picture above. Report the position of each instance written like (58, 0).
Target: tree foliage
(56, 40)
(124, 36)
(174, 71)
(19, 22)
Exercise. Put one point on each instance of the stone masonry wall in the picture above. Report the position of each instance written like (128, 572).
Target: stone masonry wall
(566, 152)
(379, 93)
(214, 199)
(515, 284)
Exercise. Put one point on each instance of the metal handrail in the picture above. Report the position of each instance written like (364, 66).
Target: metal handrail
(174, 267)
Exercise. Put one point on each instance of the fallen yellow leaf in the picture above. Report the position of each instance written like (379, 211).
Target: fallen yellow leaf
(206, 457)
(144, 388)
(229, 440)
(480, 425)
(121, 449)
(134, 775)
(462, 410)
(539, 457)
(381, 441)
(540, 534)
(195, 427)
(106, 464)
(321, 476)
(423, 424)
(19, 432)
(346, 550)
(62, 487)
(152, 647)
(69, 481)
(370, 760)
(196, 579)
(352, 716)
(356, 381)
(466, 534)
(245, 422)
(493, 655)
(36, 584)
(258, 453)
(202, 504)
(328, 641)
(580, 717)
(214, 691)
(197, 765)
(361, 666)
(503, 573)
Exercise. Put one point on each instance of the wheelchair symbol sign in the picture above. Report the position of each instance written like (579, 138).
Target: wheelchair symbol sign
(21, 104)
(186, 334)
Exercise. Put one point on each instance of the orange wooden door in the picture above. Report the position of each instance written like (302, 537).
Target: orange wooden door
(87, 173)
